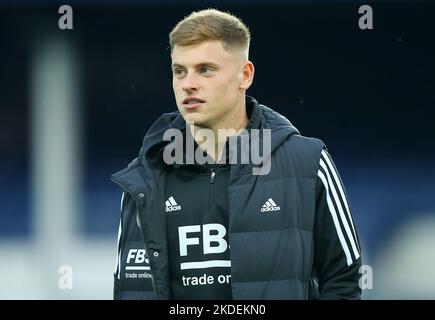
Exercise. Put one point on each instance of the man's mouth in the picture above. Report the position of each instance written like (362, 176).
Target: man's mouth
(191, 101)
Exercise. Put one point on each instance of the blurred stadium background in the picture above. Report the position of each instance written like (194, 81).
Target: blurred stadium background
(74, 106)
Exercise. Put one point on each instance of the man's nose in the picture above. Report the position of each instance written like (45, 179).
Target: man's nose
(190, 83)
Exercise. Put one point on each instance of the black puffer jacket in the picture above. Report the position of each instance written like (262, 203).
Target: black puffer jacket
(308, 248)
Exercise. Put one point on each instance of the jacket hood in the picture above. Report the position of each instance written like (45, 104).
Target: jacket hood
(261, 117)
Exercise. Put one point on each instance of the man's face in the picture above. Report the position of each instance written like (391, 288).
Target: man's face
(206, 82)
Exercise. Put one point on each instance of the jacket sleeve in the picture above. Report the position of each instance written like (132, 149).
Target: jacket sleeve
(118, 256)
(337, 256)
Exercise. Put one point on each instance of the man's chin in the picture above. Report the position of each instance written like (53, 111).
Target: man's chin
(194, 119)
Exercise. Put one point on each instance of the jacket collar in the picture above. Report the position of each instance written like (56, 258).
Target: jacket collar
(138, 177)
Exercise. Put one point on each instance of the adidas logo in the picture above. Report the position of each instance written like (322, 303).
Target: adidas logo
(270, 205)
(171, 205)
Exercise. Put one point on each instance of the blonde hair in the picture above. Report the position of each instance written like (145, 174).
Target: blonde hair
(211, 24)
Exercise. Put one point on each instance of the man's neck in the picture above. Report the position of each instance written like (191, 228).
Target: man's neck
(232, 125)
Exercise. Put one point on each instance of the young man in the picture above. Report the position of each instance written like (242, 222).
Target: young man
(219, 229)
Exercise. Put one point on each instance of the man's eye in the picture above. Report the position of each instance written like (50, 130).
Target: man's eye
(178, 72)
(205, 69)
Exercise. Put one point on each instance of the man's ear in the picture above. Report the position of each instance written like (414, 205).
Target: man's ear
(247, 75)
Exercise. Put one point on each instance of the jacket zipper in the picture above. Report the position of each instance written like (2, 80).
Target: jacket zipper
(210, 194)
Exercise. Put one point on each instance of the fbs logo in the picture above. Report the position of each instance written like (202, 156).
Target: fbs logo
(213, 240)
(172, 205)
(208, 237)
(138, 256)
(270, 205)
(136, 260)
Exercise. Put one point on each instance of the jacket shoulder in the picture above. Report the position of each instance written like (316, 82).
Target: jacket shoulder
(302, 155)
(306, 144)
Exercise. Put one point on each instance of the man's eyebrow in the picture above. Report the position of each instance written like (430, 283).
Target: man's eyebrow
(205, 63)
(176, 65)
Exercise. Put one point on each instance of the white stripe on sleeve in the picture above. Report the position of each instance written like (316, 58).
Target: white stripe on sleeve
(335, 219)
(118, 258)
(335, 197)
(343, 195)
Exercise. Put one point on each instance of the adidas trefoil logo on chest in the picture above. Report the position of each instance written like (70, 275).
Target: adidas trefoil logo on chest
(270, 205)
(172, 205)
